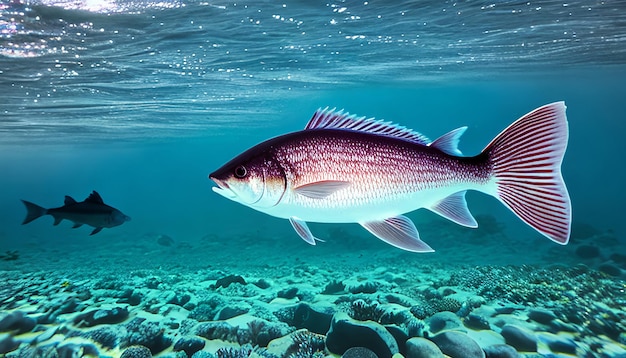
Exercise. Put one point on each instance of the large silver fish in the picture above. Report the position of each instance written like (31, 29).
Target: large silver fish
(342, 169)
(92, 211)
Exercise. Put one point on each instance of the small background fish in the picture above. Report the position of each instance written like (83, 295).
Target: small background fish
(92, 211)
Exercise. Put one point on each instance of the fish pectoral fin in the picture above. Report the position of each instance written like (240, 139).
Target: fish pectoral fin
(303, 230)
(95, 231)
(321, 189)
(398, 231)
(454, 208)
(77, 225)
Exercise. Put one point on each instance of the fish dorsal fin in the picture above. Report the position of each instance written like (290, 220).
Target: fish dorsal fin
(449, 142)
(69, 200)
(94, 197)
(332, 119)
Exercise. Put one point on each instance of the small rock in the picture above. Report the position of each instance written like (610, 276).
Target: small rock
(8, 344)
(262, 284)
(359, 352)
(346, 333)
(519, 338)
(136, 352)
(230, 312)
(541, 316)
(560, 344)
(189, 345)
(288, 293)
(444, 321)
(313, 319)
(501, 351)
(165, 240)
(458, 345)
(102, 316)
(17, 322)
(477, 322)
(419, 347)
(228, 280)
(610, 269)
(587, 251)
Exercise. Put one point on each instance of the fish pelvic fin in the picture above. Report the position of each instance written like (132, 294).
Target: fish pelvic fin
(33, 211)
(526, 160)
(398, 231)
(95, 231)
(303, 230)
(454, 208)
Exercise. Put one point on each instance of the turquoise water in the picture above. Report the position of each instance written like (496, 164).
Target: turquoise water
(142, 100)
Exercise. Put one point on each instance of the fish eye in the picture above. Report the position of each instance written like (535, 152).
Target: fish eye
(241, 171)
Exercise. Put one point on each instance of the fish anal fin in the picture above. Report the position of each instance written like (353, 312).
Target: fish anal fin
(69, 200)
(449, 142)
(321, 189)
(398, 231)
(303, 230)
(95, 231)
(454, 208)
(94, 197)
(332, 119)
(77, 225)
(57, 220)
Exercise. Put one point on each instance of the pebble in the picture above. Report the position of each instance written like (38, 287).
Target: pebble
(346, 333)
(419, 347)
(102, 316)
(521, 339)
(314, 319)
(189, 345)
(444, 321)
(359, 352)
(587, 251)
(475, 321)
(541, 316)
(458, 345)
(501, 351)
(8, 344)
(17, 322)
(228, 280)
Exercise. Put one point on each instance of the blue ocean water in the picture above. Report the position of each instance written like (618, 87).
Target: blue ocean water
(141, 99)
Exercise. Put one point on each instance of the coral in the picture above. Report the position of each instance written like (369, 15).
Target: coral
(105, 336)
(364, 311)
(243, 352)
(306, 345)
(148, 334)
(448, 304)
(423, 311)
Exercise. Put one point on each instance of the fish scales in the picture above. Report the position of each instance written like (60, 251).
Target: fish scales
(342, 168)
(379, 170)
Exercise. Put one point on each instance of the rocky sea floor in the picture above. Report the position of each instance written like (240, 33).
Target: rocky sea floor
(248, 297)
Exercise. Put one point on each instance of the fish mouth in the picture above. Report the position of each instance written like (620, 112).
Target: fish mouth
(222, 188)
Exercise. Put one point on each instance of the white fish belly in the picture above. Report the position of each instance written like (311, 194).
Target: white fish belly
(342, 208)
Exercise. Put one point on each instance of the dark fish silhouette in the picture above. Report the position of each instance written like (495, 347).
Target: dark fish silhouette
(93, 212)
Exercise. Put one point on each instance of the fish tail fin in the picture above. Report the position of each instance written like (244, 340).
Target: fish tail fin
(33, 211)
(526, 162)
